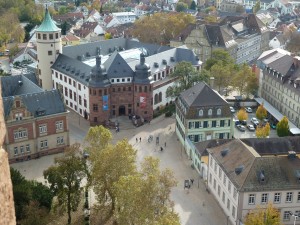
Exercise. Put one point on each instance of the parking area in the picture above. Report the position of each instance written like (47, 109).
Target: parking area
(247, 133)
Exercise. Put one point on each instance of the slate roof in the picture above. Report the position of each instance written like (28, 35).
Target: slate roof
(202, 95)
(48, 25)
(204, 145)
(279, 171)
(117, 67)
(32, 96)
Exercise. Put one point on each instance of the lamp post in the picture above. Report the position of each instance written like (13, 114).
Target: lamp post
(86, 192)
(295, 217)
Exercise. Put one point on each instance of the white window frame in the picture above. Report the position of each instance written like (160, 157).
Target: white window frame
(44, 144)
(16, 151)
(219, 111)
(200, 112)
(27, 148)
(60, 140)
(251, 199)
(289, 197)
(264, 198)
(59, 125)
(43, 128)
(277, 197)
(22, 149)
(209, 112)
(286, 215)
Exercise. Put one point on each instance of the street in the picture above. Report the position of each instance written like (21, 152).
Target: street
(195, 207)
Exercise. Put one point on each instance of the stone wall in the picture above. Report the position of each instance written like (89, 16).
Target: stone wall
(7, 209)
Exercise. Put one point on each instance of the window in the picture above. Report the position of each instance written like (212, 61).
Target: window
(95, 107)
(19, 116)
(20, 134)
(251, 199)
(60, 140)
(74, 96)
(210, 112)
(39, 36)
(233, 212)
(200, 112)
(224, 179)
(213, 123)
(70, 81)
(50, 36)
(22, 149)
(84, 103)
(220, 172)
(79, 87)
(215, 184)
(219, 112)
(289, 197)
(56, 35)
(70, 94)
(215, 169)
(43, 144)
(228, 203)
(219, 190)
(59, 125)
(229, 186)
(298, 199)
(18, 104)
(66, 92)
(43, 129)
(79, 100)
(223, 197)
(264, 198)
(234, 193)
(277, 197)
(286, 215)
(49, 52)
(27, 148)
(210, 178)
(44, 36)
(16, 150)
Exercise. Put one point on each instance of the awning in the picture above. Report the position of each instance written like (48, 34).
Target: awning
(277, 115)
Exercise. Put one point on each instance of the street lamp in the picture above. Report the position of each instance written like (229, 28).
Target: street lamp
(86, 193)
(295, 217)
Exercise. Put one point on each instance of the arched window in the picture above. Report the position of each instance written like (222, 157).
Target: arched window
(156, 99)
(169, 91)
(140, 89)
(210, 112)
(200, 112)
(160, 97)
(219, 112)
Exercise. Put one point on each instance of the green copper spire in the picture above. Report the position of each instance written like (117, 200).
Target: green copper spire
(48, 25)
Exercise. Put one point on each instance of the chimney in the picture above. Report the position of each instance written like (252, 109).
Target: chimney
(142, 59)
(211, 82)
(98, 61)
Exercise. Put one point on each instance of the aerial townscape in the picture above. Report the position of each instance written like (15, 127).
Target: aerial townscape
(177, 112)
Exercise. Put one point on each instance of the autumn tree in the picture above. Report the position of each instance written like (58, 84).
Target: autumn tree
(244, 80)
(261, 112)
(261, 216)
(107, 36)
(256, 7)
(64, 179)
(282, 127)
(144, 198)
(156, 28)
(263, 131)
(187, 76)
(242, 114)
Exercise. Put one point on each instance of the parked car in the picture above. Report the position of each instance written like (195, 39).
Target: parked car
(248, 110)
(250, 127)
(254, 121)
(240, 127)
(232, 109)
(243, 122)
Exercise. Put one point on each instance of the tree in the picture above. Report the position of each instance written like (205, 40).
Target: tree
(261, 112)
(218, 55)
(245, 81)
(193, 5)
(35, 215)
(260, 216)
(65, 177)
(242, 114)
(107, 36)
(156, 28)
(186, 76)
(263, 131)
(282, 127)
(144, 198)
(256, 7)
(222, 74)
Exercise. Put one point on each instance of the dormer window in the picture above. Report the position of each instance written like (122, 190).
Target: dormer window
(210, 112)
(18, 104)
(19, 116)
(200, 112)
(219, 112)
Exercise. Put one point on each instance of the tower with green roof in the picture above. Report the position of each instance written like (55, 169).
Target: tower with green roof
(48, 38)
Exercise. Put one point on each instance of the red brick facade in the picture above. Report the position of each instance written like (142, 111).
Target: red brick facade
(123, 99)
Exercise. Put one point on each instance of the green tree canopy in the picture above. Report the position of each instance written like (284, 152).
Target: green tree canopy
(65, 177)
(219, 55)
(282, 127)
(181, 6)
(261, 112)
(193, 5)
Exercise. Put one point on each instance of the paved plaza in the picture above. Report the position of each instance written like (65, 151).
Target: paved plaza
(195, 207)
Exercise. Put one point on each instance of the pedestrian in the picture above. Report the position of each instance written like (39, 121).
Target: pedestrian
(192, 181)
(136, 140)
(116, 129)
(165, 144)
(161, 149)
(140, 139)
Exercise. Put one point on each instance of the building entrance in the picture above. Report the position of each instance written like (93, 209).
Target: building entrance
(122, 111)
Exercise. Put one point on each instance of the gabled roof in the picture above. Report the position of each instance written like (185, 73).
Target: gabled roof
(50, 102)
(117, 67)
(48, 25)
(202, 95)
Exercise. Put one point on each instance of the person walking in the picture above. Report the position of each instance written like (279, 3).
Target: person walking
(165, 144)
(161, 149)
(136, 140)
(140, 139)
